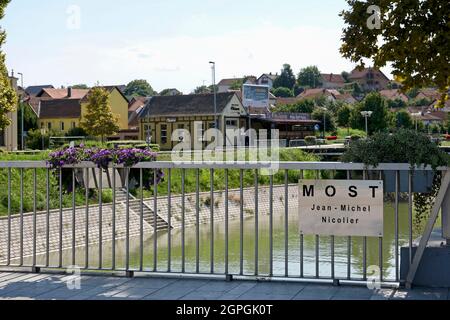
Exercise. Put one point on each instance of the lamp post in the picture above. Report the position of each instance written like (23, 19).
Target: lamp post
(22, 143)
(213, 66)
(367, 115)
(324, 120)
(43, 131)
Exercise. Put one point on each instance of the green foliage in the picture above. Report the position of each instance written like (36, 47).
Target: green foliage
(396, 103)
(380, 118)
(343, 115)
(99, 121)
(310, 77)
(80, 86)
(8, 96)
(286, 79)
(282, 92)
(435, 128)
(424, 102)
(346, 76)
(139, 88)
(403, 146)
(412, 93)
(37, 141)
(357, 91)
(302, 106)
(413, 37)
(29, 121)
(202, 90)
(76, 132)
(311, 140)
(166, 92)
(403, 120)
(330, 122)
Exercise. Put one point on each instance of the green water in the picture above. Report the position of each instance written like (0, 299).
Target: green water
(340, 253)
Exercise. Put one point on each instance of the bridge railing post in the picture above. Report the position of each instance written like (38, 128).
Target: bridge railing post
(445, 215)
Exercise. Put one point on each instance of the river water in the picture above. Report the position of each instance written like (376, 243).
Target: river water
(341, 249)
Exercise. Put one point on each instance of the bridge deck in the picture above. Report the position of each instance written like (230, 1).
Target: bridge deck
(54, 287)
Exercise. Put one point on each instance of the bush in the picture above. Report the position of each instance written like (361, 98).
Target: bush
(403, 146)
(310, 140)
(76, 132)
(153, 147)
(130, 143)
(36, 141)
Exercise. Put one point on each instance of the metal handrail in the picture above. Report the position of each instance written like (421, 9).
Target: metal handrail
(235, 165)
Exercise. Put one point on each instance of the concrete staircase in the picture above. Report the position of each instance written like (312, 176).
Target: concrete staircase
(135, 206)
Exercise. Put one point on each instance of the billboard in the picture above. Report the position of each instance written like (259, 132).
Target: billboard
(255, 96)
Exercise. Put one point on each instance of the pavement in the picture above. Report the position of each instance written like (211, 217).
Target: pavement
(28, 286)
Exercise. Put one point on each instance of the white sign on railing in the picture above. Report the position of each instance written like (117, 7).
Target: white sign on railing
(341, 207)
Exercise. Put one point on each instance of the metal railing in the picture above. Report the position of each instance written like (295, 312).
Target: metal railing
(221, 219)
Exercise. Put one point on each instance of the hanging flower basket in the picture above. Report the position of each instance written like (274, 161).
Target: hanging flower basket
(104, 159)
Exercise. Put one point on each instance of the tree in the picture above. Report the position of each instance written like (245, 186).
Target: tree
(411, 35)
(80, 86)
(202, 90)
(99, 121)
(8, 96)
(286, 79)
(343, 116)
(139, 88)
(302, 106)
(346, 76)
(330, 122)
(380, 118)
(282, 92)
(167, 92)
(397, 103)
(237, 85)
(310, 77)
(403, 120)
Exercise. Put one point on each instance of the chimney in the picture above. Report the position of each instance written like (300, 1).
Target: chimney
(69, 92)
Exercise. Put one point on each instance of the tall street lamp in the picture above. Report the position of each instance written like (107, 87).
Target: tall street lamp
(22, 143)
(367, 115)
(213, 66)
(324, 120)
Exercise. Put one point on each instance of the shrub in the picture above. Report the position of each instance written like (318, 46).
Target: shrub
(310, 140)
(76, 132)
(403, 146)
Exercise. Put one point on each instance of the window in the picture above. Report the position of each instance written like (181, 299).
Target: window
(231, 123)
(211, 125)
(181, 126)
(61, 126)
(74, 125)
(163, 134)
(49, 126)
(42, 125)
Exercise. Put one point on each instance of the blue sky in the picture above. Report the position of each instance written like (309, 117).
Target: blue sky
(169, 42)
